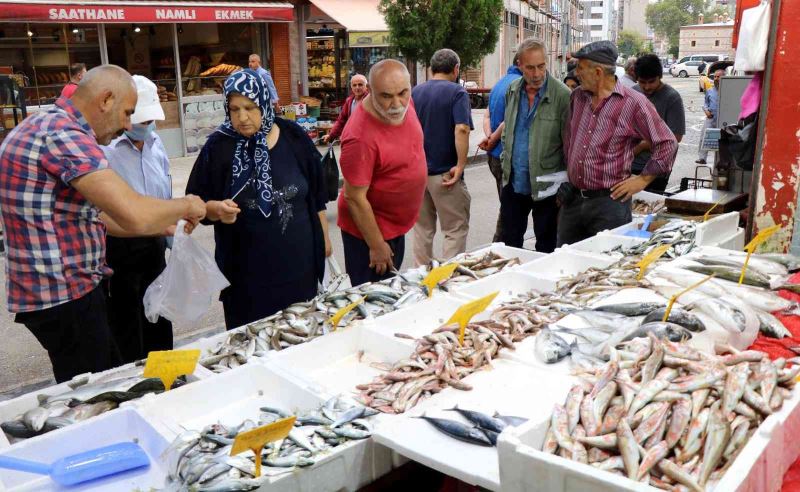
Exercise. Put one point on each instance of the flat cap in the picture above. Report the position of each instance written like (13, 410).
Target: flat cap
(604, 52)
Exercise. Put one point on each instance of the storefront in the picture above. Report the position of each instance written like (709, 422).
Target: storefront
(186, 48)
(343, 38)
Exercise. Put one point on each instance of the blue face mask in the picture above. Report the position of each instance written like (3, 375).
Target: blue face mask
(139, 132)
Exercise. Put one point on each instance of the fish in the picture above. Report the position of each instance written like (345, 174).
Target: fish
(628, 449)
(485, 422)
(732, 274)
(727, 314)
(771, 326)
(718, 434)
(677, 316)
(631, 308)
(551, 348)
(457, 430)
(661, 330)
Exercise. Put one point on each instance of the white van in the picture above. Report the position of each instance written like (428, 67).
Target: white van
(688, 65)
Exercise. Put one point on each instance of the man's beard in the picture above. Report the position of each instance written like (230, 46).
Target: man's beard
(393, 115)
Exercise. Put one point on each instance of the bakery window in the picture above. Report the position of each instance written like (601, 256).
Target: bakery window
(41, 56)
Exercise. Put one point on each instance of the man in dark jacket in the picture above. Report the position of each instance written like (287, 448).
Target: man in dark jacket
(358, 87)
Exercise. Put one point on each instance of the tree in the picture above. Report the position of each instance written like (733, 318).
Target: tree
(714, 11)
(667, 16)
(469, 27)
(630, 43)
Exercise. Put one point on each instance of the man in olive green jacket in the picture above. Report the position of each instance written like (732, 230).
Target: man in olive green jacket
(537, 107)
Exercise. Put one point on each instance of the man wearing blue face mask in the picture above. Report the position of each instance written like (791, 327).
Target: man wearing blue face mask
(140, 158)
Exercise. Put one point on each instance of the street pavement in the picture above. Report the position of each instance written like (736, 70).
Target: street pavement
(24, 365)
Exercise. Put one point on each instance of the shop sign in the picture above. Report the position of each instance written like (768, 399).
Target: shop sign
(113, 13)
(368, 39)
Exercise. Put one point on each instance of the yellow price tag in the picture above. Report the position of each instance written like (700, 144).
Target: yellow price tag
(438, 274)
(167, 365)
(650, 258)
(255, 440)
(336, 318)
(705, 216)
(684, 291)
(754, 243)
(467, 311)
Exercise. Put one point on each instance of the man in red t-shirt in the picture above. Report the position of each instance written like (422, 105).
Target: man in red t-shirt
(385, 173)
(76, 73)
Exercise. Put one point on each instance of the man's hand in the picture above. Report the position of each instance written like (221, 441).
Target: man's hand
(455, 175)
(380, 258)
(326, 139)
(488, 143)
(328, 246)
(625, 189)
(709, 115)
(225, 211)
(196, 209)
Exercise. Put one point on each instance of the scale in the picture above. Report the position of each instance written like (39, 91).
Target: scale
(699, 201)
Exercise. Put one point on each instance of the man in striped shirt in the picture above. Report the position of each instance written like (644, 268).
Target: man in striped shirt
(607, 121)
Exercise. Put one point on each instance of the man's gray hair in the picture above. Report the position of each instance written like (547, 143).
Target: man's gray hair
(529, 44)
(630, 63)
(444, 60)
(607, 69)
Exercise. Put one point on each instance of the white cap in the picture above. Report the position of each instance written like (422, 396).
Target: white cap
(148, 107)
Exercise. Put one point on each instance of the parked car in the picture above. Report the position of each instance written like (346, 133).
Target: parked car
(706, 82)
(687, 66)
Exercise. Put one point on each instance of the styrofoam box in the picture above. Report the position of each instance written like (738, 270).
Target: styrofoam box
(339, 361)
(787, 430)
(123, 425)
(565, 262)
(734, 242)
(524, 255)
(633, 225)
(604, 243)
(718, 228)
(236, 395)
(417, 320)
(523, 467)
(508, 388)
(509, 284)
(13, 408)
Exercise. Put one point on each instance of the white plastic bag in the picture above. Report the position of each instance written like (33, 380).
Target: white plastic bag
(187, 286)
(556, 178)
(751, 52)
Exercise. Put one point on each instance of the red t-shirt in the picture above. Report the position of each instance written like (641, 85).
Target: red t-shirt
(391, 161)
(68, 90)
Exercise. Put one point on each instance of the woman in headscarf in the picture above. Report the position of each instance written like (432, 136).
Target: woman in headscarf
(262, 180)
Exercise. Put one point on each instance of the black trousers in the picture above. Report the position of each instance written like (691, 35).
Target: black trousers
(496, 168)
(76, 335)
(585, 217)
(514, 211)
(356, 258)
(136, 263)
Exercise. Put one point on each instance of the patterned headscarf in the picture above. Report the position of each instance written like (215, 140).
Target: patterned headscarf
(250, 85)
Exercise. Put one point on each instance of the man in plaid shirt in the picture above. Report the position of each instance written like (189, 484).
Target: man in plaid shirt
(58, 197)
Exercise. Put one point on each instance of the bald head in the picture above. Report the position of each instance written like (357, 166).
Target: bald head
(254, 61)
(106, 96)
(390, 86)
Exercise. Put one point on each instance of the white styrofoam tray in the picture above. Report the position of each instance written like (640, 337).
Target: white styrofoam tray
(734, 242)
(633, 225)
(11, 409)
(509, 388)
(236, 395)
(717, 228)
(524, 255)
(524, 467)
(337, 362)
(123, 425)
(509, 284)
(604, 243)
(419, 319)
(565, 262)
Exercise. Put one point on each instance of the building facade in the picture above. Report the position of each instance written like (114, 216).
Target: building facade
(601, 18)
(712, 39)
(631, 17)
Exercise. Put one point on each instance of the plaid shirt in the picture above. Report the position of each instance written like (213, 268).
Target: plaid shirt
(600, 142)
(54, 237)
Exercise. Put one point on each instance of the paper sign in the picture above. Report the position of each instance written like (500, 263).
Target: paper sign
(255, 440)
(684, 291)
(650, 258)
(754, 243)
(336, 318)
(438, 274)
(167, 365)
(465, 313)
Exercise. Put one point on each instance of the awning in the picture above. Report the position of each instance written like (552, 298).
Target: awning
(354, 15)
(130, 11)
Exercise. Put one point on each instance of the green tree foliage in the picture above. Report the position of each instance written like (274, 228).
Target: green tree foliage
(630, 43)
(420, 27)
(667, 16)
